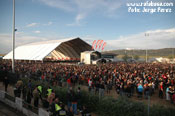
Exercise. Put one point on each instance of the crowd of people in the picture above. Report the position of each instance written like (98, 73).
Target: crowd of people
(127, 79)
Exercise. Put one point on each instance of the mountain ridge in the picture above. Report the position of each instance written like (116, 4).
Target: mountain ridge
(163, 52)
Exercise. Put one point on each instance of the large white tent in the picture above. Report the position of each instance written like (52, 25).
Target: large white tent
(59, 49)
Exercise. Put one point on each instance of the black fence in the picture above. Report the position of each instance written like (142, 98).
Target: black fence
(11, 98)
(25, 104)
(30, 107)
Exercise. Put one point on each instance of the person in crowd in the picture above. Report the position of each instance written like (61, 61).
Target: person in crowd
(150, 89)
(69, 98)
(117, 87)
(39, 87)
(79, 97)
(52, 108)
(161, 90)
(171, 94)
(36, 96)
(168, 93)
(51, 97)
(6, 83)
(101, 90)
(49, 91)
(97, 85)
(55, 107)
(109, 86)
(19, 86)
(29, 96)
(90, 84)
(30, 84)
(92, 88)
(146, 91)
(128, 89)
(69, 83)
(140, 90)
(74, 102)
(24, 92)
(121, 89)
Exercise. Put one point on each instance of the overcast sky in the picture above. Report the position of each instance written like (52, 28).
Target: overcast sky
(108, 20)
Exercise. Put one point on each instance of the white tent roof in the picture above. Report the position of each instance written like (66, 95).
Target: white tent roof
(32, 52)
(35, 51)
(60, 49)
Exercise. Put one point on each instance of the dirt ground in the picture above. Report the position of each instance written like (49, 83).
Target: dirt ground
(154, 99)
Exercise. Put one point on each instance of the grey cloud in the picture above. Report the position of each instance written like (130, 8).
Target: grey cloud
(156, 39)
(20, 39)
